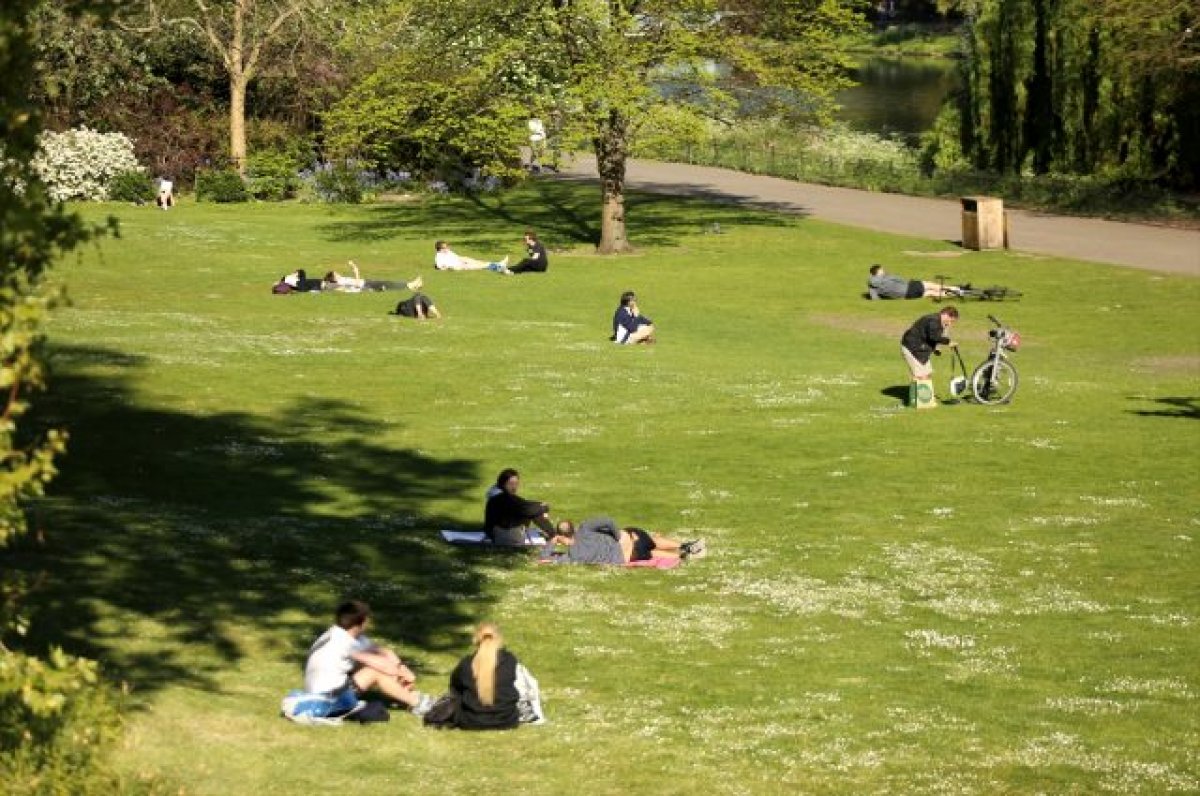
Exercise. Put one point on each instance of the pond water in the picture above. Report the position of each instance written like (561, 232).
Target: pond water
(898, 95)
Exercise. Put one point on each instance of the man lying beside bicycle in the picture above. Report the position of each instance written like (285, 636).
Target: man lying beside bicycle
(882, 285)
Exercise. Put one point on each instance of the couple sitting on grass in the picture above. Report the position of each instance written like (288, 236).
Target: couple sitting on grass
(489, 690)
(508, 518)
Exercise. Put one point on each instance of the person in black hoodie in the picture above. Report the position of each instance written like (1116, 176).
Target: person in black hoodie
(485, 684)
(506, 514)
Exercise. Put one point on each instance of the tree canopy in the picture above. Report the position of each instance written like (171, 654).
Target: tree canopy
(600, 71)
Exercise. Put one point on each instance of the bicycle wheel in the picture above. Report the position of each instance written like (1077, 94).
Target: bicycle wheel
(994, 382)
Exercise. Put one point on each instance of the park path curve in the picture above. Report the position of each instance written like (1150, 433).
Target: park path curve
(1152, 248)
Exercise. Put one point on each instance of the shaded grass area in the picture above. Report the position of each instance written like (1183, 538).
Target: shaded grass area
(972, 600)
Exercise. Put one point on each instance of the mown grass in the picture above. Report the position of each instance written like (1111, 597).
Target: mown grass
(968, 600)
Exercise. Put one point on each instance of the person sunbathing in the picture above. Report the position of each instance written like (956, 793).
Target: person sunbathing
(599, 541)
(882, 285)
(356, 284)
(446, 260)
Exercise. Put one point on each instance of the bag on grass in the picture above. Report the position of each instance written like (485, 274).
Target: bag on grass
(373, 712)
(303, 707)
(444, 713)
(529, 697)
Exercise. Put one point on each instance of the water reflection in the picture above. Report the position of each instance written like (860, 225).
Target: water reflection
(897, 95)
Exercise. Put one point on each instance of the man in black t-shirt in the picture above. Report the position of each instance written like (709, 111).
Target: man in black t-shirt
(535, 259)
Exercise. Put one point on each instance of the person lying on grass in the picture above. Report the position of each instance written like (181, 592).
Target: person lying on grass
(418, 306)
(507, 516)
(599, 541)
(297, 282)
(881, 284)
(446, 260)
(343, 658)
(356, 284)
(629, 325)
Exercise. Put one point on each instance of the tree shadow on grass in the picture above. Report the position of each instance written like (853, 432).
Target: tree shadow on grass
(173, 543)
(1185, 407)
(562, 212)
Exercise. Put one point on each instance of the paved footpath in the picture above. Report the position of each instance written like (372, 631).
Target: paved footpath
(1135, 245)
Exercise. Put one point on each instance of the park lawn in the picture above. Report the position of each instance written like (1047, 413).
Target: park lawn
(968, 600)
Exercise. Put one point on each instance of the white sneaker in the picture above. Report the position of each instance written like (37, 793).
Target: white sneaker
(423, 706)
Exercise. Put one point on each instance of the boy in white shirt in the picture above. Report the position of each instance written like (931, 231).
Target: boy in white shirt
(343, 658)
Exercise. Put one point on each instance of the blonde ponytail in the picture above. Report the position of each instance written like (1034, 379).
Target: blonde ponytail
(488, 642)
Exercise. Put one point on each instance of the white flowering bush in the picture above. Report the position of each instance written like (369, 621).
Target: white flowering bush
(80, 164)
(840, 144)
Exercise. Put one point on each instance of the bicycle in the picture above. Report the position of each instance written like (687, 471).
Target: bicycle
(990, 293)
(995, 380)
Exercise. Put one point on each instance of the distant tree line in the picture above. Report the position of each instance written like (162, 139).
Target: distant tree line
(1082, 87)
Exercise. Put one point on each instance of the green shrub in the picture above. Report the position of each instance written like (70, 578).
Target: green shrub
(272, 176)
(225, 185)
(131, 186)
(58, 722)
(339, 183)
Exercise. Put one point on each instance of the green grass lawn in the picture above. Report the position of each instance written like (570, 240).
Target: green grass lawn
(967, 600)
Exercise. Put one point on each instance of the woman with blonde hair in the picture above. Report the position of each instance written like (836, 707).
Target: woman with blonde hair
(487, 684)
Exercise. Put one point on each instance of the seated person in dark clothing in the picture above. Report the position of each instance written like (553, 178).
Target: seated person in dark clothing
(882, 285)
(507, 515)
(418, 306)
(535, 259)
(630, 326)
(485, 684)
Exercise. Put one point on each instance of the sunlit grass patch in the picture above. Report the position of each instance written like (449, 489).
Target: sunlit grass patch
(967, 600)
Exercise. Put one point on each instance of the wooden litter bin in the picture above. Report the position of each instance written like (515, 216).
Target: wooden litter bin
(983, 223)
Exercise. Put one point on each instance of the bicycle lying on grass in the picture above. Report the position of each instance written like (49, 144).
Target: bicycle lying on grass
(990, 293)
(995, 380)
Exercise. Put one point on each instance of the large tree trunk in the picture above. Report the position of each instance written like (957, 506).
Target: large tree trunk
(239, 79)
(612, 150)
(237, 122)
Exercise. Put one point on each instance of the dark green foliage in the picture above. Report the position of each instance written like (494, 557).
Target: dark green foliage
(55, 730)
(57, 721)
(271, 176)
(221, 185)
(1076, 86)
(131, 186)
